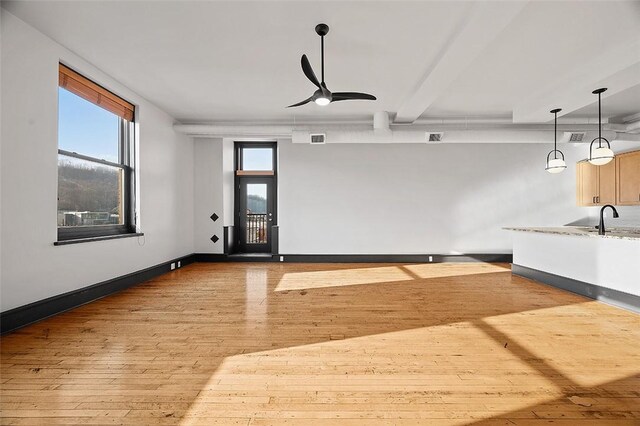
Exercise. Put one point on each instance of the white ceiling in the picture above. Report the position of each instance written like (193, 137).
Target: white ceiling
(228, 61)
(618, 106)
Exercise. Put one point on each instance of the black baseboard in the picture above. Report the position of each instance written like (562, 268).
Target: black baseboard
(395, 258)
(617, 298)
(28, 314)
(219, 257)
(358, 258)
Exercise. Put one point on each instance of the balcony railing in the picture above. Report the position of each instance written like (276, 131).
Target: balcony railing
(256, 228)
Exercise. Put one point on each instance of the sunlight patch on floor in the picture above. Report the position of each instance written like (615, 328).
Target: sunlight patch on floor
(341, 277)
(450, 372)
(443, 270)
(592, 363)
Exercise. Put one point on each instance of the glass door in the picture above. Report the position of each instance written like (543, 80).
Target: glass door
(256, 214)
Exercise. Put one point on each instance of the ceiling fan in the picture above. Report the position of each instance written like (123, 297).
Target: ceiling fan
(323, 96)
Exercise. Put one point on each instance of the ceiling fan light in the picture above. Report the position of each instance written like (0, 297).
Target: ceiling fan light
(322, 101)
(556, 165)
(601, 155)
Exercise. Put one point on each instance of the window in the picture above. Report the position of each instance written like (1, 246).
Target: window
(95, 158)
(255, 158)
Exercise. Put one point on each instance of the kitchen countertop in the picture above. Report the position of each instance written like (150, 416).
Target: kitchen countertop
(583, 231)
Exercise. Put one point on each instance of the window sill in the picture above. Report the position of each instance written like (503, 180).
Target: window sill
(101, 238)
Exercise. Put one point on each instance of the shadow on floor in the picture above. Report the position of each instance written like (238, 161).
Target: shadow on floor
(157, 349)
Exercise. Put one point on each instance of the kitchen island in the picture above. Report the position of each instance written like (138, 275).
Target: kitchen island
(603, 267)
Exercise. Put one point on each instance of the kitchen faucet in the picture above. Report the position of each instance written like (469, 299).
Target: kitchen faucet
(601, 230)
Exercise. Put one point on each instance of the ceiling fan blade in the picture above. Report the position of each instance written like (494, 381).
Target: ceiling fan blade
(308, 71)
(301, 102)
(347, 96)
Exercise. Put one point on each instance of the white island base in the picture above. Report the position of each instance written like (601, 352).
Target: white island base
(606, 268)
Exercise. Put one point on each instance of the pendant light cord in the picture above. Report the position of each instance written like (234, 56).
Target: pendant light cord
(555, 135)
(599, 121)
(322, 50)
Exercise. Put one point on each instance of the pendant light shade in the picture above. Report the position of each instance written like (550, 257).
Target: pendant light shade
(555, 164)
(600, 154)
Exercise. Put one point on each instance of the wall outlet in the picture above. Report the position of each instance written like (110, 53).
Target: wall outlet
(281, 258)
(179, 264)
(173, 266)
(430, 258)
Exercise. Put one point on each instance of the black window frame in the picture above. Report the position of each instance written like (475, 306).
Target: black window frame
(126, 156)
(240, 146)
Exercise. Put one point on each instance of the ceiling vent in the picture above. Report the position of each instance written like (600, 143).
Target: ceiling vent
(317, 138)
(573, 136)
(434, 136)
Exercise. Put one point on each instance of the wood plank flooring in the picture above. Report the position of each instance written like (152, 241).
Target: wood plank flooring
(328, 344)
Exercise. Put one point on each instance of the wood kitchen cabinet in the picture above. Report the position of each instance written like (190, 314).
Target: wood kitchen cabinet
(628, 178)
(586, 184)
(606, 184)
(596, 185)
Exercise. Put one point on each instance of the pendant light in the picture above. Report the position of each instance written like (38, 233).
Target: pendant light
(555, 164)
(601, 155)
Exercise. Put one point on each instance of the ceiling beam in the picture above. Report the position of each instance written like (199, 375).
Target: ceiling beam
(617, 68)
(481, 24)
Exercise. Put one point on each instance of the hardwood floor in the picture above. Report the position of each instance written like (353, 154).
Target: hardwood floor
(326, 344)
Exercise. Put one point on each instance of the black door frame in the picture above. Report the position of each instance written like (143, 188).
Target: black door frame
(243, 246)
(269, 177)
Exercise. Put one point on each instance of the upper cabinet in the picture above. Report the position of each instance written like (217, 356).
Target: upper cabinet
(617, 182)
(596, 185)
(606, 183)
(628, 178)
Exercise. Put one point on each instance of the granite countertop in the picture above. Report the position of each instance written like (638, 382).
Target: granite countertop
(583, 231)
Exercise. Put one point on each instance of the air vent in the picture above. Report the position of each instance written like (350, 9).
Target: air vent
(434, 136)
(318, 138)
(574, 136)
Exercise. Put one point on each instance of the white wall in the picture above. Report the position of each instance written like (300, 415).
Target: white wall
(1, 12)
(418, 198)
(208, 169)
(32, 267)
(414, 198)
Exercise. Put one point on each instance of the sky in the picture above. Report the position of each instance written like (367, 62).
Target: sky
(86, 128)
(257, 159)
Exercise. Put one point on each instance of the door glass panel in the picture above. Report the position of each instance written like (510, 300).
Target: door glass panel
(257, 159)
(256, 213)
